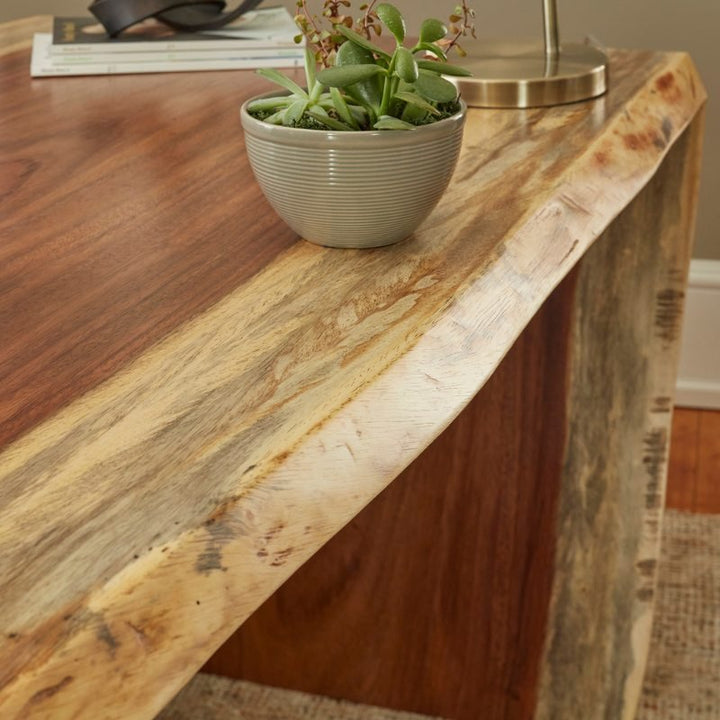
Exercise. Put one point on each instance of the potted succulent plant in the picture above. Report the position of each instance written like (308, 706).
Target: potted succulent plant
(361, 155)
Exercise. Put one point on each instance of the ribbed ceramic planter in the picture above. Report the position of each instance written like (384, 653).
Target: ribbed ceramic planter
(353, 189)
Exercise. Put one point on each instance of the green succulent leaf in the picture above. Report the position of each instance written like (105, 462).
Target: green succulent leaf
(406, 66)
(387, 122)
(271, 103)
(348, 74)
(433, 48)
(326, 120)
(369, 92)
(351, 54)
(358, 39)
(342, 109)
(442, 68)
(360, 114)
(295, 112)
(393, 20)
(283, 81)
(316, 92)
(412, 114)
(276, 119)
(432, 30)
(417, 101)
(310, 69)
(435, 88)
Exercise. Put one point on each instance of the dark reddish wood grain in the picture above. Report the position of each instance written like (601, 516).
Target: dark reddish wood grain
(121, 216)
(435, 597)
(695, 461)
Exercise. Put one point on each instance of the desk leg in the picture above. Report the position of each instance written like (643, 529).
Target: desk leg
(626, 335)
(509, 572)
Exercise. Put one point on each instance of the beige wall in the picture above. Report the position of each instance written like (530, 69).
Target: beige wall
(655, 24)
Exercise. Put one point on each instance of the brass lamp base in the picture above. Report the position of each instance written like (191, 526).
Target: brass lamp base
(523, 75)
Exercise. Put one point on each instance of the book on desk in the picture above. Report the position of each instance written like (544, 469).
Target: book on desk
(80, 46)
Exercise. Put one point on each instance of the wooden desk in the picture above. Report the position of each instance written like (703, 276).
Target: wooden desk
(193, 402)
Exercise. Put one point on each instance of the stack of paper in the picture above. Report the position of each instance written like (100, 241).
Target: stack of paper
(80, 46)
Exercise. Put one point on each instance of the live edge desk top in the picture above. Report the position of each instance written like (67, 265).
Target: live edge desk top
(192, 401)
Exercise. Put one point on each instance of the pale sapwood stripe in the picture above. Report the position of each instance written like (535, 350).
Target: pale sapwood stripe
(278, 517)
(17, 34)
(662, 380)
(624, 360)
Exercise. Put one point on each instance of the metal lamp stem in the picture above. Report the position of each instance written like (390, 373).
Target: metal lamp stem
(550, 28)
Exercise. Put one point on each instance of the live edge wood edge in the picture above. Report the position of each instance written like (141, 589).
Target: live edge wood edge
(149, 626)
(509, 571)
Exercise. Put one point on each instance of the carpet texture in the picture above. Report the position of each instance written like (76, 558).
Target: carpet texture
(209, 697)
(682, 681)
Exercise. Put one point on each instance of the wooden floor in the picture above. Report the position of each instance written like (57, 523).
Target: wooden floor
(694, 471)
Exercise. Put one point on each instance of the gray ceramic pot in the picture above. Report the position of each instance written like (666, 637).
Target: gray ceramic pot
(353, 189)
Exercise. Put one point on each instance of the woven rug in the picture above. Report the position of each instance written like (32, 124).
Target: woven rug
(682, 681)
(209, 697)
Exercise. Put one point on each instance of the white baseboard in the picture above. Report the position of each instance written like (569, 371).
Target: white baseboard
(698, 382)
(697, 394)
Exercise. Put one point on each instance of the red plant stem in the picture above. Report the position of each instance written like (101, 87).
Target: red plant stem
(325, 54)
(465, 25)
(366, 19)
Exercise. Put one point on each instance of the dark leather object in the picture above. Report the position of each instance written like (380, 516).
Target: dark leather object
(184, 15)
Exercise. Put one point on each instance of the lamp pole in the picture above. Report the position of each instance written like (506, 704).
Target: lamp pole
(550, 27)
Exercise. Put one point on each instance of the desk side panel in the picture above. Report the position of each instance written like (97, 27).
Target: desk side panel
(625, 352)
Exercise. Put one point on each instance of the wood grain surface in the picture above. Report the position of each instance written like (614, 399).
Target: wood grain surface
(694, 472)
(192, 402)
(17, 34)
(128, 208)
(435, 597)
(625, 352)
(707, 487)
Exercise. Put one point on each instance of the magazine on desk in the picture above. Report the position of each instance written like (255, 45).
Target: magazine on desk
(45, 63)
(80, 46)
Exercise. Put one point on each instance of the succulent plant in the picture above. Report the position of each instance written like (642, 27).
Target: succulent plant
(362, 86)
